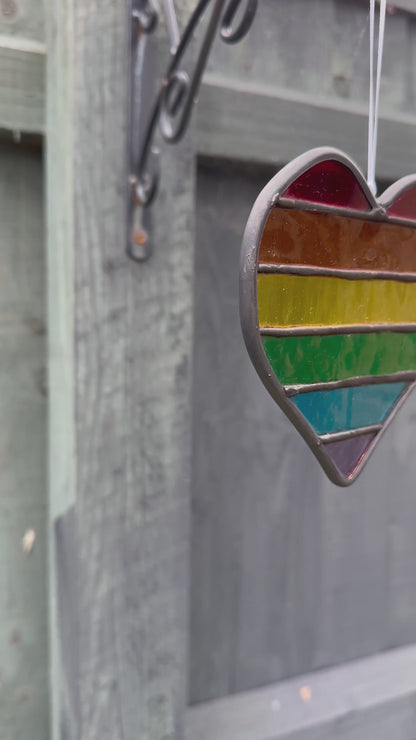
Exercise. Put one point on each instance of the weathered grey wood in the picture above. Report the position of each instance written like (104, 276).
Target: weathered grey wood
(120, 364)
(372, 698)
(299, 58)
(22, 65)
(22, 86)
(321, 48)
(23, 591)
(300, 79)
(289, 573)
(408, 5)
(250, 123)
(23, 19)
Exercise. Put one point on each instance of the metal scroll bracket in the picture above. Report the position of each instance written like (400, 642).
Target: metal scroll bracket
(172, 105)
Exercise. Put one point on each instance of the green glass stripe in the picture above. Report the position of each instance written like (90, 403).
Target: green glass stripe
(321, 359)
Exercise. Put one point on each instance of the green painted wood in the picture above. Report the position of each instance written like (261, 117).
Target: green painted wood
(371, 698)
(22, 65)
(60, 296)
(22, 85)
(119, 406)
(23, 19)
(23, 497)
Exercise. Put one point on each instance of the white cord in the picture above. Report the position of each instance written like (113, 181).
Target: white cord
(373, 103)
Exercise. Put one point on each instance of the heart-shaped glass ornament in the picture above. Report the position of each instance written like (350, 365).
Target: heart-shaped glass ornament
(328, 303)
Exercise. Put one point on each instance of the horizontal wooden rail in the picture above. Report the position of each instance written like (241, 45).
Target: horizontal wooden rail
(370, 698)
(22, 85)
(253, 123)
(236, 120)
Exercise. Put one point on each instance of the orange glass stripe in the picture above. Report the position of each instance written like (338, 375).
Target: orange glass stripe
(295, 237)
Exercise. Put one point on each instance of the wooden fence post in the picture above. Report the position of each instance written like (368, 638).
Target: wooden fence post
(120, 372)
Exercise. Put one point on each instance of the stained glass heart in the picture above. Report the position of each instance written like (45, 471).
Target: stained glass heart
(328, 303)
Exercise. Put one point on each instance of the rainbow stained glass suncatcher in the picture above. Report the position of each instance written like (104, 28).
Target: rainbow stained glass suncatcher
(328, 303)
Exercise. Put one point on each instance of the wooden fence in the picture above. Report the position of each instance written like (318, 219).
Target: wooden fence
(174, 563)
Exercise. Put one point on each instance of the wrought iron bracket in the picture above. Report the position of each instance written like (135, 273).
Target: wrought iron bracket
(172, 105)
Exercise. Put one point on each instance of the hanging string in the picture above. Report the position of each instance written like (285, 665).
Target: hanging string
(373, 103)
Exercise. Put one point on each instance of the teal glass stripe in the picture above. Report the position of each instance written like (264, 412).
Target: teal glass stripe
(343, 409)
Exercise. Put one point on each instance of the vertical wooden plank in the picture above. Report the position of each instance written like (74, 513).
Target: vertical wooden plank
(23, 500)
(59, 210)
(120, 371)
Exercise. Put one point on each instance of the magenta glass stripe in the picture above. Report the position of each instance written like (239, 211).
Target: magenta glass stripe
(329, 182)
(348, 453)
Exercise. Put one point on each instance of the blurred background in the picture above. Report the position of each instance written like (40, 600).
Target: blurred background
(174, 563)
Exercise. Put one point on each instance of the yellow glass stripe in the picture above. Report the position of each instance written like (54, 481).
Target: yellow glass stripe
(298, 300)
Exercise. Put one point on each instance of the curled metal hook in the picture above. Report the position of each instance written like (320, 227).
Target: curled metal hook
(145, 15)
(230, 35)
(175, 100)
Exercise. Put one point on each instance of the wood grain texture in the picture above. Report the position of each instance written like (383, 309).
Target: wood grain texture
(22, 66)
(309, 87)
(289, 573)
(23, 609)
(321, 48)
(254, 123)
(22, 85)
(120, 364)
(23, 19)
(372, 698)
(304, 67)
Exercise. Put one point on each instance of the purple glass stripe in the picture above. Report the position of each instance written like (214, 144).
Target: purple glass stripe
(348, 453)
